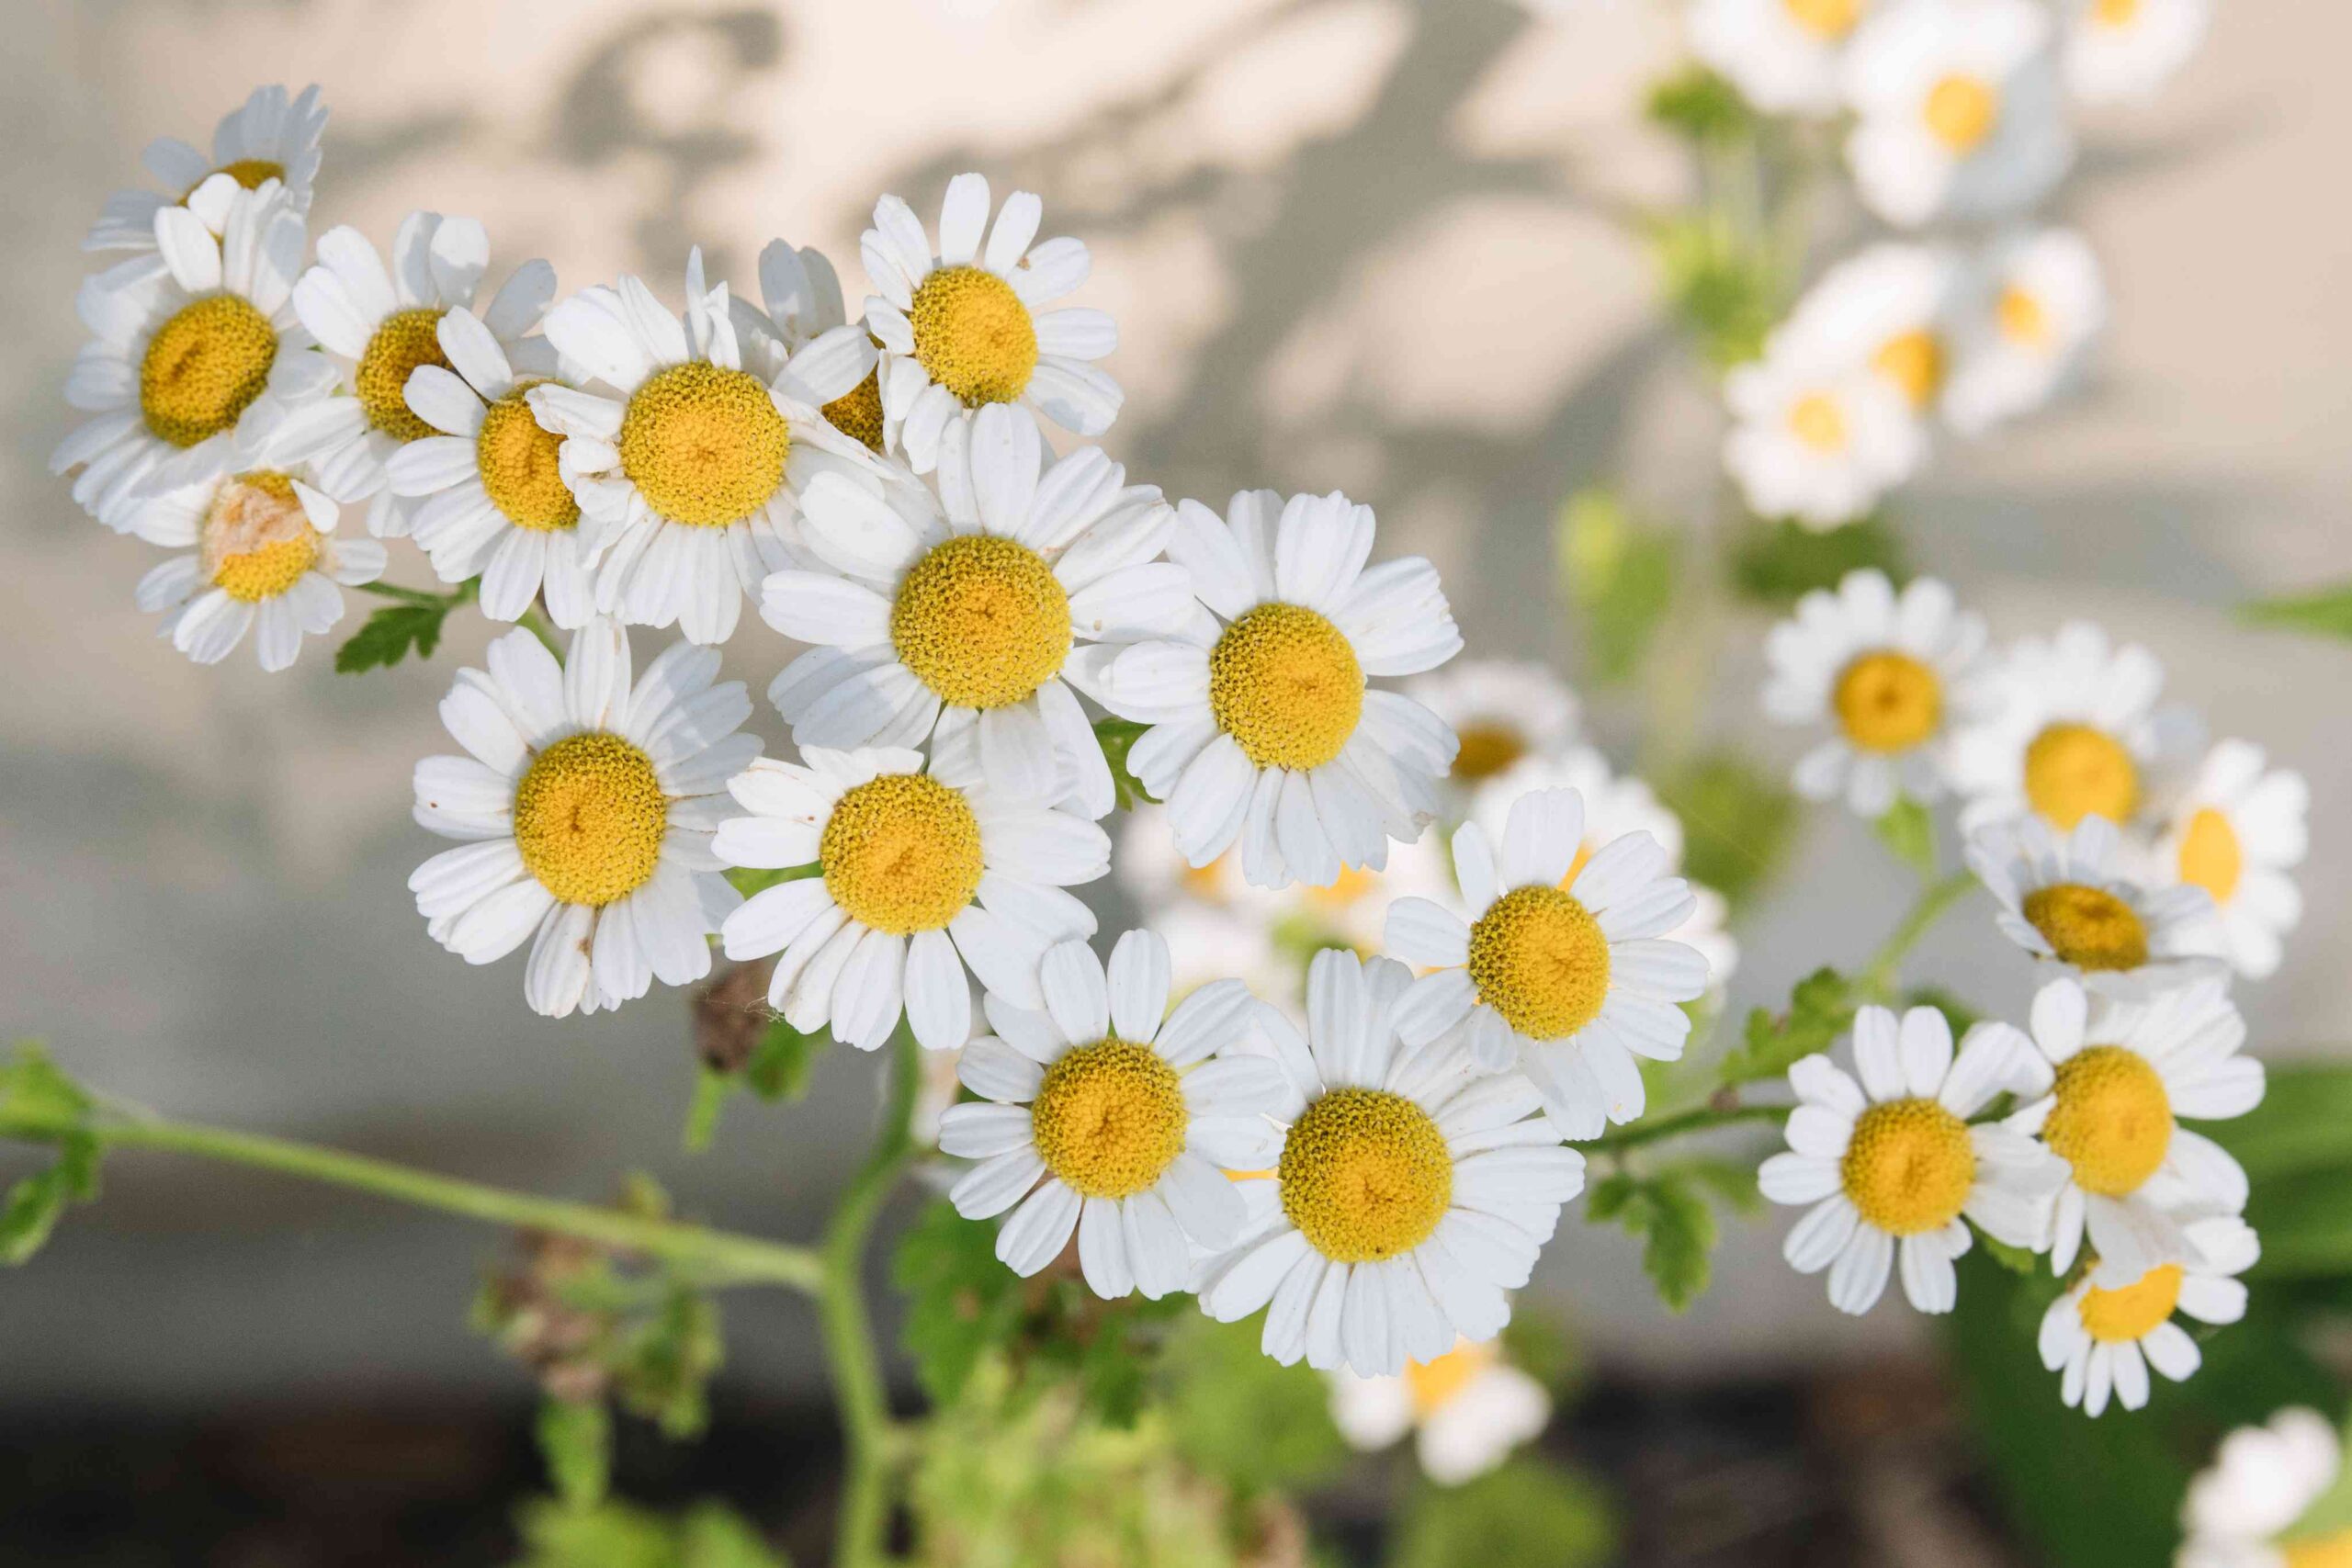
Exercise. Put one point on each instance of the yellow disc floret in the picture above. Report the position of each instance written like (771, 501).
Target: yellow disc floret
(404, 340)
(857, 413)
(203, 367)
(1961, 111)
(1817, 421)
(2113, 1121)
(1915, 362)
(973, 335)
(981, 621)
(1538, 957)
(2088, 927)
(251, 173)
(2072, 770)
(2117, 12)
(1888, 701)
(520, 469)
(2023, 320)
(1283, 681)
(704, 444)
(2132, 1312)
(901, 854)
(1488, 748)
(257, 541)
(1909, 1167)
(1365, 1175)
(589, 817)
(1825, 18)
(2211, 855)
(1109, 1118)
(1433, 1385)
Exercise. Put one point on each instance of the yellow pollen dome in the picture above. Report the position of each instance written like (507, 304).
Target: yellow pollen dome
(1283, 681)
(981, 621)
(704, 444)
(2331, 1550)
(2088, 927)
(1825, 18)
(2112, 1122)
(519, 464)
(257, 541)
(2211, 855)
(589, 817)
(203, 367)
(1538, 957)
(857, 413)
(1488, 748)
(1914, 362)
(2132, 1312)
(2072, 770)
(973, 335)
(2023, 320)
(1909, 1166)
(1109, 1119)
(1888, 701)
(1433, 1385)
(901, 854)
(1818, 422)
(2117, 12)
(1961, 111)
(1365, 1175)
(405, 339)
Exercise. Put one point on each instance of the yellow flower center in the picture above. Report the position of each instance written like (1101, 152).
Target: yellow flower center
(1486, 749)
(901, 854)
(2023, 320)
(1960, 111)
(2112, 1122)
(589, 817)
(2132, 1312)
(2072, 770)
(981, 621)
(1909, 1166)
(203, 367)
(1285, 683)
(1538, 957)
(250, 172)
(1365, 1175)
(519, 463)
(2211, 855)
(857, 413)
(1818, 422)
(2117, 12)
(1825, 18)
(1109, 1119)
(1888, 701)
(973, 335)
(2334, 1551)
(1354, 883)
(257, 540)
(2088, 927)
(1433, 1385)
(704, 444)
(1914, 362)
(405, 339)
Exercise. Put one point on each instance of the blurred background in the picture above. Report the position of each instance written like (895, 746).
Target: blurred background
(1378, 245)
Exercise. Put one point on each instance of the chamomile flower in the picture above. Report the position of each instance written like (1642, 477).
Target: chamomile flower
(1815, 439)
(1113, 1117)
(957, 623)
(2236, 831)
(692, 463)
(1893, 1171)
(2118, 49)
(2062, 900)
(800, 308)
(921, 876)
(1411, 1193)
(1958, 109)
(588, 801)
(1466, 1410)
(2041, 305)
(1892, 674)
(1502, 712)
(2244, 1511)
(1783, 55)
(1565, 972)
(2123, 1075)
(1891, 310)
(271, 136)
(2102, 1338)
(963, 327)
(1264, 732)
(194, 352)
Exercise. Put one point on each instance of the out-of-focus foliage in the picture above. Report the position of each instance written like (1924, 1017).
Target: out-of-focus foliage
(1775, 564)
(1738, 822)
(614, 1535)
(1617, 574)
(2328, 611)
(38, 1100)
(1525, 1513)
(1235, 1414)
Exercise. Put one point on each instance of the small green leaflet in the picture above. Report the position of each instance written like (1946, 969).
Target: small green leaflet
(1820, 1009)
(1667, 1211)
(1702, 105)
(1117, 737)
(576, 1441)
(1909, 833)
(961, 1301)
(387, 636)
(1618, 575)
(38, 1101)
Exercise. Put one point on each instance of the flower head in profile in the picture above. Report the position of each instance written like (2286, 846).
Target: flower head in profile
(1411, 1195)
(1502, 712)
(1465, 1411)
(2238, 832)
(2102, 1338)
(1893, 1169)
(273, 135)
(1109, 1115)
(800, 308)
(2119, 50)
(587, 799)
(2246, 1509)
(1815, 437)
(2064, 899)
(1784, 56)
(2039, 305)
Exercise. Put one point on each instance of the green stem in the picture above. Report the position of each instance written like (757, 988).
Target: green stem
(1877, 981)
(868, 1439)
(406, 595)
(1705, 1118)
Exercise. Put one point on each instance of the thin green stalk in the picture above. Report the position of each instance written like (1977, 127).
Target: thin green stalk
(1706, 1118)
(406, 595)
(1877, 981)
(536, 625)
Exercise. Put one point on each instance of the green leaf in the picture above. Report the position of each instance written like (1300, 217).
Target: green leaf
(36, 1098)
(2327, 614)
(1724, 286)
(30, 1212)
(1237, 1414)
(781, 1066)
(712, 1535)
(388, 636)
(1908, 832)
(1779, 563)
(1678, 1229)
(576, 1441)
(1526, 1512)
(2303, 1125)
(1619, 575)
(746, 881)
(961, 1301)
(1820, 1009)
(1737, 823)
(1702, 107)
(1117, 737)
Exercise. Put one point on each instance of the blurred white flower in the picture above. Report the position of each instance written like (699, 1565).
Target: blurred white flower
(1783, 55)
(1890, 308)
(1815, 437)
(2128, 48)
(1501, 711)
(2038, 304)
(2263, 1480)
(2236, 831)
(1469, 1408)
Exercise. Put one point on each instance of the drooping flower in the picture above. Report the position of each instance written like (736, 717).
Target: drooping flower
(270, 136)
(2103, 1338)
(2064, 899)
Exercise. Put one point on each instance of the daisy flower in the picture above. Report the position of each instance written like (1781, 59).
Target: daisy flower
(1467, 1410)
(2236, 832)
(272, 136)
(588, 804)
(1263, 731)
(2243, 1510)
(1410, 1194)
(921, 876)
(1113, 1117)
(195, 352)
(1502, 712)
(2119, 49)
(1890, 309)
(1815, 439)
(2044, 304)
(1783, 55)
(1891, 1168)
(2061, 900)
(2103, 1338)
(691, 466)
(1891, 673)
(962, 327)
(2123, 1074)
(1564, 971)
(957, 623)
(1958, 110)
(801, 294)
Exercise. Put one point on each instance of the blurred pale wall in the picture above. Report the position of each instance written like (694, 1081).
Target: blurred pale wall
(1360, 242)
